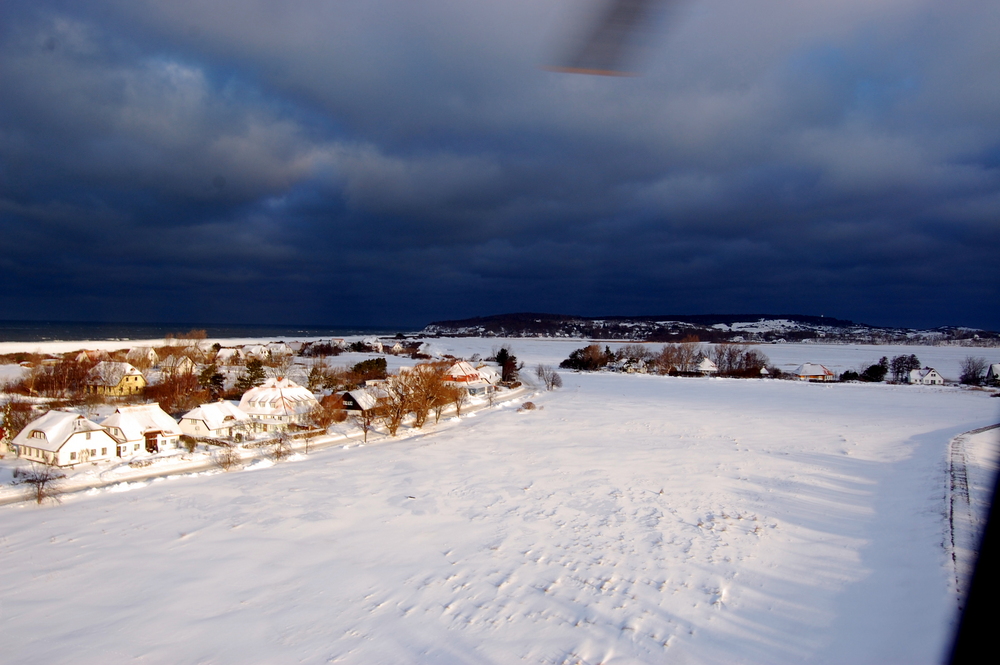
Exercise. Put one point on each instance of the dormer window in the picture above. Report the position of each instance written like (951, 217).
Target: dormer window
(37, 434)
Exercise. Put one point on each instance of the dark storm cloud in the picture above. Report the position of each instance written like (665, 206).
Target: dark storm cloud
(395, 162)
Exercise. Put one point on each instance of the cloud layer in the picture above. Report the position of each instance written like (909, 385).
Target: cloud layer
(395, 162)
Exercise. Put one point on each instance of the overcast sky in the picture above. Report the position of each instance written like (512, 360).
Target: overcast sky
(399, 161)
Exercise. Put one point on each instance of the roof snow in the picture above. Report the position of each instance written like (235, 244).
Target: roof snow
(57, 426)
(135, 421)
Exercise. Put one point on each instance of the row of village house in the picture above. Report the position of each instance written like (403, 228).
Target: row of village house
(64, 438)
(816, 372)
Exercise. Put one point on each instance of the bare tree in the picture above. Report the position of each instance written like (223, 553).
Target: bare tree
(42, 482)
(16, 414)
(549, 377)
(365, 418)
(457, 396)
(395, 403)
(973, 370)
(227, 458)
(281, 448)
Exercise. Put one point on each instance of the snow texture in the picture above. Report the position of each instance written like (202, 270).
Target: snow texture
(627, 519)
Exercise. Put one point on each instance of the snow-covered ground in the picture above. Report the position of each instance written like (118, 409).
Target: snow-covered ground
(630, 519)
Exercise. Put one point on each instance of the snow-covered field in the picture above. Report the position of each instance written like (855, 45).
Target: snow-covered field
(630, 519)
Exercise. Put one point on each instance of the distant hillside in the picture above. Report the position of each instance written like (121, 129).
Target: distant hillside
(707, 327)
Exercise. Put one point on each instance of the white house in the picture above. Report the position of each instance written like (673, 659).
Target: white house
(927, 376)
(177, 365)
(277, 403)
(993, 374)
(813, 372)
(229, 357)
(489, 373)
(706, 367)
(220, 419)
(279, 349)
(258, 351)
(142, 428)
(142, 356)
(61, 438)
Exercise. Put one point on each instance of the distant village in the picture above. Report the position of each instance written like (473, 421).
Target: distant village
(738, 360)
(94, 406)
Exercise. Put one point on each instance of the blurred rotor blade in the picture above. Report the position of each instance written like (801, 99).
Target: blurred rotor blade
(604, 48)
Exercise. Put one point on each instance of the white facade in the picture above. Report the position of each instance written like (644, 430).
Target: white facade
(927, 376)
(277, 403)
(61, 438)
(229, 357)
(220, 419)
(706, 367)
(142, 428)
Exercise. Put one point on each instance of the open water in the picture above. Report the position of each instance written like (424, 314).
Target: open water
(52, 331)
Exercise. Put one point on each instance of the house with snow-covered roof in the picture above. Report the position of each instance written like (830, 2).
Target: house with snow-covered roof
(258, 351)
(278, 403)
(461, 372)
(142, 356)
(221, 420)
(813, 372)
(115, 379)
(706, 367)
(928, 376)
(142, 428)
(993, 375)
(362, 399)
(229, 357)
(177, 365)
(62, 438)
(279, 349)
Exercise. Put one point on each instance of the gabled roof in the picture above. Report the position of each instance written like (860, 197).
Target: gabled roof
(217, 414)
(224, 355)
(140, 353)
(278, 397)
(58, 427)
(461, 371)
(812, 369)
(488, 373)
(707, 365)
(135, 421)
(176, 362)
(365, 399)
(108, 373)
(921, 374)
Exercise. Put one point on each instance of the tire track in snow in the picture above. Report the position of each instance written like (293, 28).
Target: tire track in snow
(959, 503)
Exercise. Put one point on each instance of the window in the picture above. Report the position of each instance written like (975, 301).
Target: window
(37, 434)
(137, 446)
(104, 451)
(93, 452)
(88, 436)
(72, 455)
